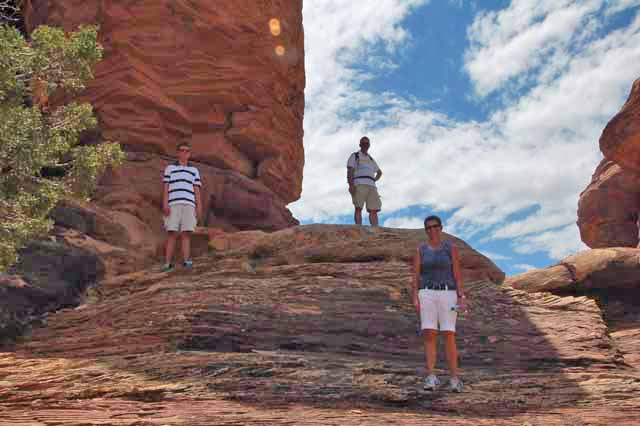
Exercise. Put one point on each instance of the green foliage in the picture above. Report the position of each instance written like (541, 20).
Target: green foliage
(37, 139)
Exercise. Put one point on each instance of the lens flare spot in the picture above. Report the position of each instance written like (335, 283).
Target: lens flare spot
(280, 50)
(274, 27)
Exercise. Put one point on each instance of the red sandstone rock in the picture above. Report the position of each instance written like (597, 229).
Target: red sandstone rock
(131, 235)
(608, 268)
(312, 344)
(345, 244)
(620, 140)
(608, 207)
(205, 72)
(611, 277)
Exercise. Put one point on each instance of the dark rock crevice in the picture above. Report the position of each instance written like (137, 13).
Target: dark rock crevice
(50, 276)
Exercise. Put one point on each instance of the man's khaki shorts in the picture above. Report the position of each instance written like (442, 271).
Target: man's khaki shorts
(181, 219)
(367, 194)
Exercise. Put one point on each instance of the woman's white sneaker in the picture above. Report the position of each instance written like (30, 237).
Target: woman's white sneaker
(455, 385)
(431, 382)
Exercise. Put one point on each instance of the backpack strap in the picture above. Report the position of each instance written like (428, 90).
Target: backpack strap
(357, 155)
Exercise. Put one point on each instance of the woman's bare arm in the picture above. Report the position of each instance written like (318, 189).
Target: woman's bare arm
(416, 279)
(457, 275)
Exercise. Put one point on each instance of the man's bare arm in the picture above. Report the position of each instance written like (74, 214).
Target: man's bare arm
(350, 173)
(165, 200)
(198, 202)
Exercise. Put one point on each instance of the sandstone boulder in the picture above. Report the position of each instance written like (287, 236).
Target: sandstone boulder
(124, 240)
(608, 207)
(620, 140)
(610, 268)
(345, 244)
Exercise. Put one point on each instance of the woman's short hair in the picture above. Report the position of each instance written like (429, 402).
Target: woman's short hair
(432, 218)
(181, 144)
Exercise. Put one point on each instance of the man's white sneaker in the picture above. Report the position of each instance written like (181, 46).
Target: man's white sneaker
(455, 385)
(431, 382)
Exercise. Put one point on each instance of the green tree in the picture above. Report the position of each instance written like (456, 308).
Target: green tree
(41, 160)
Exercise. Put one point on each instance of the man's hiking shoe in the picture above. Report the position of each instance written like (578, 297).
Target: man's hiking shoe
(431, 382)
(168, 267)
(188, 264)
(455, 385)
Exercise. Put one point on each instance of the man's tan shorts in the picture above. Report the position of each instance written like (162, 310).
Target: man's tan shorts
(181, 219)
(367, 194)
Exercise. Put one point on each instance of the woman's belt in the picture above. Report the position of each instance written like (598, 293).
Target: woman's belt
(439, 285)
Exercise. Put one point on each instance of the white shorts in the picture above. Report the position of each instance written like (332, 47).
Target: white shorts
(181, 219)
(436, 308)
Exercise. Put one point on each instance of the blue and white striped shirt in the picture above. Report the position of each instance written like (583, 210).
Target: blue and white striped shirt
(182, 180)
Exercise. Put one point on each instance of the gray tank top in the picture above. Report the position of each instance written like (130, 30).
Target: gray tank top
(436, 267)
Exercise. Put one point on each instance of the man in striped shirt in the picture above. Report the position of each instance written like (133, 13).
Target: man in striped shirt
(181, 204)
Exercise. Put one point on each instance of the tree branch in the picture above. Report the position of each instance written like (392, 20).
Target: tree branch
(10, 10)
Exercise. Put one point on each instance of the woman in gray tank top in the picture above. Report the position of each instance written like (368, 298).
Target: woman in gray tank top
(438, 295)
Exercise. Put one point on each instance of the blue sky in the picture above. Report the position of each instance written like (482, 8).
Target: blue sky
(487, 113)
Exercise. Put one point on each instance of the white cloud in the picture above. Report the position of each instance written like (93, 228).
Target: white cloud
(616, 6)
(552, 216)
(538, 150)
(512, 41)
(495, 256)
(559, 244)
(404, 222)
(524, 266)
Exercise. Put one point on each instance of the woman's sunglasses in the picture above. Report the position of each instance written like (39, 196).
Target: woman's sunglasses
(432, 227)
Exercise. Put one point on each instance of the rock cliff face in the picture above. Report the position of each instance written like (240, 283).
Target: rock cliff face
(228, 77)
(620, 141)
(609, 206)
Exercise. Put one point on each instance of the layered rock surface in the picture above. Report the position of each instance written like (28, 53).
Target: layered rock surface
(328, 336)
(609, 276)
(608, 208)
(344, 243)
(203, 72)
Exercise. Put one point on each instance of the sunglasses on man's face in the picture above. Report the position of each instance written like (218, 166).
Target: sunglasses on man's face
(183, 150)
(432, 227)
